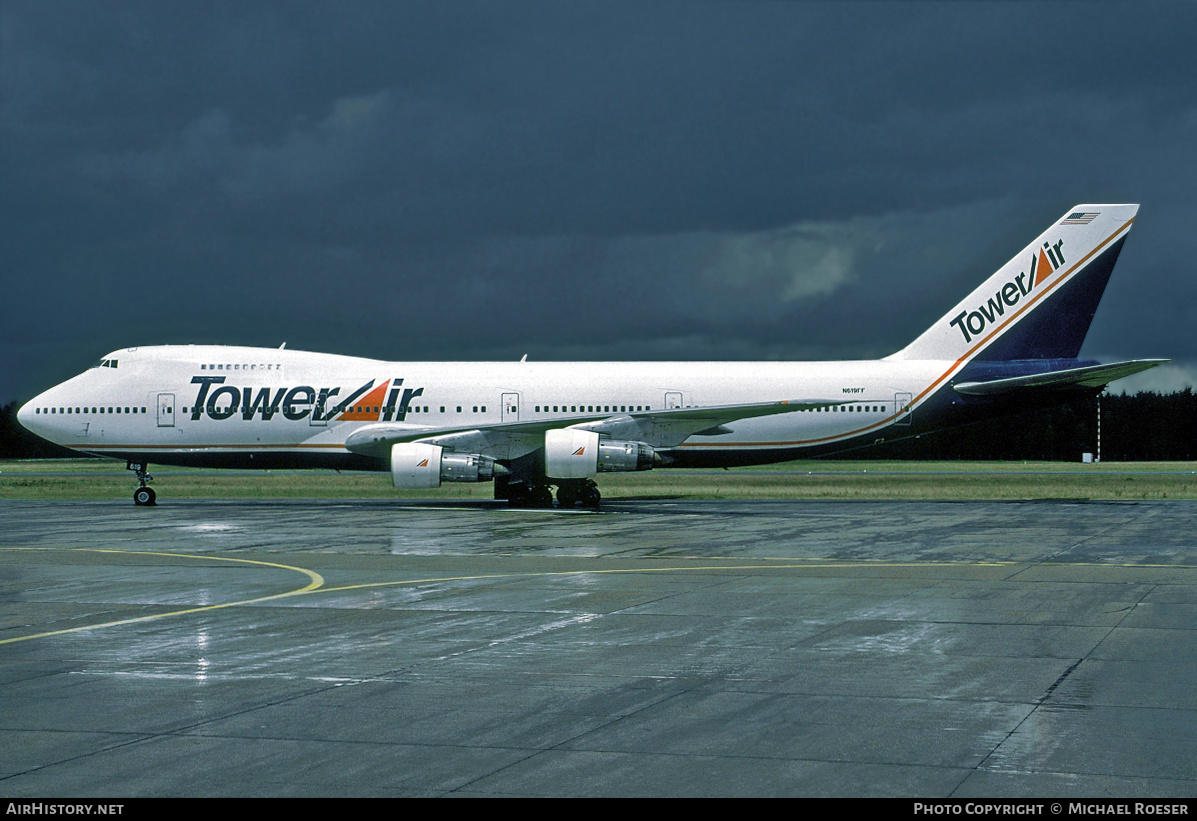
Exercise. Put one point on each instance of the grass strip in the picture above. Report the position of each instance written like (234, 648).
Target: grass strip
(91, 479)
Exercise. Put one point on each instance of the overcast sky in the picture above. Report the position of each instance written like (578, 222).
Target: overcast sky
(568, 180)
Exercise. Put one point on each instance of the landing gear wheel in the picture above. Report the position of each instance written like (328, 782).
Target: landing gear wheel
(143, 496)
(567, 496)
(589, 496)
(522, 494)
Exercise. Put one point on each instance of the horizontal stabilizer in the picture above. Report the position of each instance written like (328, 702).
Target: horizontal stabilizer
(1092, 376)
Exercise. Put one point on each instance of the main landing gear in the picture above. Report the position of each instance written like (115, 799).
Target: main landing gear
(570, 493)
(582, 492)
(144, 495)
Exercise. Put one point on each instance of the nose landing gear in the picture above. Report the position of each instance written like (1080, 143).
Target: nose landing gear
(144, 495)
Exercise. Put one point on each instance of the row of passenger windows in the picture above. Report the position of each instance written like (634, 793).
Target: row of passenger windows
(477, 409)
(239, 367)
(591, 408)
(850, 409)
(87, 410)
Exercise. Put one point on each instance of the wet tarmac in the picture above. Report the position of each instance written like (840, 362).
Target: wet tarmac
(380, 648)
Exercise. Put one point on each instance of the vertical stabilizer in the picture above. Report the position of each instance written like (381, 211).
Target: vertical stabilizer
(1040, 304)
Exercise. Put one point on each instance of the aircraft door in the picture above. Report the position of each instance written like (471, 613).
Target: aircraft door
(673, 399)
(902, 406)
(511, 407)
(318, 418)
(166, 410)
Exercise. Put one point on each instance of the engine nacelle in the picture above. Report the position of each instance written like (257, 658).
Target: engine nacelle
(415, 465)
(570, 453)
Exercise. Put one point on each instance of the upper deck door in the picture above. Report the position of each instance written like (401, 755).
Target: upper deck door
(166, 410)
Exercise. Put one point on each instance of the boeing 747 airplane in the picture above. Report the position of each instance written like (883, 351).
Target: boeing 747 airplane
(1010, 345)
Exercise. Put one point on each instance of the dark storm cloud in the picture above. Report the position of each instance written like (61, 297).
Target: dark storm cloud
(449, 180)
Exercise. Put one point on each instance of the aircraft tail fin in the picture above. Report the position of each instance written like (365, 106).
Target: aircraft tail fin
(1039, 304)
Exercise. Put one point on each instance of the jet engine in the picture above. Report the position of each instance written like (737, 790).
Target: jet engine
(570, 453)
(415, 465)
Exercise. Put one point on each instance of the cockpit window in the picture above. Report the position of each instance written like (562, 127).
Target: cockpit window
(108, 363)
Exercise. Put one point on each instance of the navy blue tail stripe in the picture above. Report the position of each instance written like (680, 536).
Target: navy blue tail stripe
(1056, 328)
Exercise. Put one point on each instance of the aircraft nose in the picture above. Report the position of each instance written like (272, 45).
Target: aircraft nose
(28, 417)
(25, 414)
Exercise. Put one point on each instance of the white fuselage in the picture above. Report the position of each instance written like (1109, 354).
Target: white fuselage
(183, 403)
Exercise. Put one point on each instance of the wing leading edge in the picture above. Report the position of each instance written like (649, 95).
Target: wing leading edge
(659, 428)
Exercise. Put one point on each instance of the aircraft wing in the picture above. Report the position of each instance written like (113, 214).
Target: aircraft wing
(659, 428)
(1092, 376)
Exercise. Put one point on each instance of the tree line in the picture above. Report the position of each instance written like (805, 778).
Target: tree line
(1142, 427)
(1134, 428)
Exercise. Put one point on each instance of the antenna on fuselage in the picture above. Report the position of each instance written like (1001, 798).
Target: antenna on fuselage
(280, 347)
